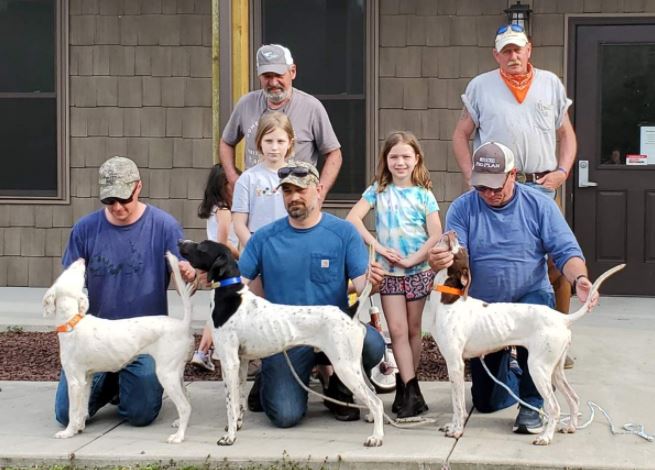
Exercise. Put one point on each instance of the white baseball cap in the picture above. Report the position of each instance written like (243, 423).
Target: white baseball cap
(510, 34)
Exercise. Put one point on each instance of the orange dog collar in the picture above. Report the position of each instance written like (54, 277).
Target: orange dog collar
(70, 324)
(448, 290)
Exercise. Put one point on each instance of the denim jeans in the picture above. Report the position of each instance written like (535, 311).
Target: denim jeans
(489, 396)
(283, 399)
(136, 386)
(543, 189)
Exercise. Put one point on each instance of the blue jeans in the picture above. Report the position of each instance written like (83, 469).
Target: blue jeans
(543, 189)
(489, 396)
(136, 386)
(283, 399)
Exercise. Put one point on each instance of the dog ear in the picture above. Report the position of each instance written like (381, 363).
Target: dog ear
(82, 304)
(48, 303)
(465, 279)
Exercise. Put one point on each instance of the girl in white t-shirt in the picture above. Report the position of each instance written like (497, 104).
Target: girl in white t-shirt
(257, 200)
(407, 225)
(215, 208)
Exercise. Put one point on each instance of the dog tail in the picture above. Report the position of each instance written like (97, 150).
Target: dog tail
(582, 311)
(183, 288)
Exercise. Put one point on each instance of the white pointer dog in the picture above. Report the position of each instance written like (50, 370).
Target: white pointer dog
(89, 344)
(465, 327)
(249, 327)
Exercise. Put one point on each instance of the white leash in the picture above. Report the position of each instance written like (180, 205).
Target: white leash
(403, 423)
(628, 428)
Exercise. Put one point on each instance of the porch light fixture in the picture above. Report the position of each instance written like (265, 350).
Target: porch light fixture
(519, 14)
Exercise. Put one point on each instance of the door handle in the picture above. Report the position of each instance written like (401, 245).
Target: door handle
(583, 175)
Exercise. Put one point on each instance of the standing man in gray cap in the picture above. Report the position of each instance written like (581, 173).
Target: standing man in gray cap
(311, 124)
(123, 246)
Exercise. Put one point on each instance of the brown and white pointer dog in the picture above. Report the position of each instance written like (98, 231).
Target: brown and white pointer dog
(248, 327)
(465, 327)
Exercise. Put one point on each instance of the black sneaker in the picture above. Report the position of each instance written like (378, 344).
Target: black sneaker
(340, 392)
(254, 400)
(528, 422)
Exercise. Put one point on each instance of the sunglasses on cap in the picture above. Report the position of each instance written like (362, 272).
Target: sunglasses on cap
(299, 171)
(110, 201)
(517, 28)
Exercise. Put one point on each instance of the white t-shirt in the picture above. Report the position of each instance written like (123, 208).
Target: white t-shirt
(256, 194)
(212, 229)
(527, 128)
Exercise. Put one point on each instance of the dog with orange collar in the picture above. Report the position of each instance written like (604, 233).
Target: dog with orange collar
(465, 328)
(88, 344)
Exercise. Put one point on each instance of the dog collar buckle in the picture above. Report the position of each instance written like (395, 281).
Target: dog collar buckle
(225, 282)
(448, 290)
(70, 324)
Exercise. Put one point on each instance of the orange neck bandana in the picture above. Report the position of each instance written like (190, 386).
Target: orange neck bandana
(518, 84)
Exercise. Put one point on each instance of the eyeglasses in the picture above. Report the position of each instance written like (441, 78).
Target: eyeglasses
(109, 201)
(515, 27)
(494, 191)
(299, 171)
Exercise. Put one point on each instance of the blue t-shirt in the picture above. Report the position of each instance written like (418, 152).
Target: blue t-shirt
(306, 266)
(508, 245)
(126, 271)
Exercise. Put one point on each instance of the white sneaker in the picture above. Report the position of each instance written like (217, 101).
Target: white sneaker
(203, 360)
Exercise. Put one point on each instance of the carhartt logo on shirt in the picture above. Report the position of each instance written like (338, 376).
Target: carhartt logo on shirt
(325, 263)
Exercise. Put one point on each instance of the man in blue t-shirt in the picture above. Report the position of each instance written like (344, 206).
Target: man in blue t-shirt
(306, 259)
(508, 229)
(123, 245)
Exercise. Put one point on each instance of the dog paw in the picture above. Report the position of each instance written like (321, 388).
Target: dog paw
(226, 440)
(541, 441)
(452, 430)
(369, 418)
(373, 441)
(65, 434)
(568, 429)
(175, 438)
(176, 423)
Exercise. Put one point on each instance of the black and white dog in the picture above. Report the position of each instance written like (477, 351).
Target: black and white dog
(248, 327)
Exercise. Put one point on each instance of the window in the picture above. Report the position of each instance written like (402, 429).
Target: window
(29, 107)
(327, 39)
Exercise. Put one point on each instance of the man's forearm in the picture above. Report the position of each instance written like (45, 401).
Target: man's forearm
(330, 170)
(568, 146)
(461, 136)
(226, 156)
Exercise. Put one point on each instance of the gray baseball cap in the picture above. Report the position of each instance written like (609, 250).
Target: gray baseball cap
(273, 58)
(491, 163)
(301, 174)
(117, 177)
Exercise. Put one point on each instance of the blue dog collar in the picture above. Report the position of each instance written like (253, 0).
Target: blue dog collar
(225, 282)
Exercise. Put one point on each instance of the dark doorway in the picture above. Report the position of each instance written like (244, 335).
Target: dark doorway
(612, 206)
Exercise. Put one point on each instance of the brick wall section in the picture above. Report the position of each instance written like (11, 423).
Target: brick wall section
(429, 50)
(140, 86)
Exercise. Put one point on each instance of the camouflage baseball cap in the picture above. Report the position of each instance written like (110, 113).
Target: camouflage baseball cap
(117, 176)
(301, 174)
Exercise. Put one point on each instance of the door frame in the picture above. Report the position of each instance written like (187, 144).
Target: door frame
(571, 22)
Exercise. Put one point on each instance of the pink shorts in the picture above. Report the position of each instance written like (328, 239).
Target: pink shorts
(413, 286)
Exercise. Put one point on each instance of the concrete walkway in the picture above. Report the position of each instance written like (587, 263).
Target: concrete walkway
(613, 348)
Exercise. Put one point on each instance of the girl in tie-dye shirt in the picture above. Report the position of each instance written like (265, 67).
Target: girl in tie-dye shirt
(407, 225)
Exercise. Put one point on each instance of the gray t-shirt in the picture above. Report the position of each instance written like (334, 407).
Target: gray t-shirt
(311, 125)
(527, 128)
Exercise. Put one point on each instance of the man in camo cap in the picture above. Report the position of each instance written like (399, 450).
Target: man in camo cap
(306, 259)
(123, 245)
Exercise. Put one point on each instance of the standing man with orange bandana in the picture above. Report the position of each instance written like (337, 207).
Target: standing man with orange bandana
(524, 108)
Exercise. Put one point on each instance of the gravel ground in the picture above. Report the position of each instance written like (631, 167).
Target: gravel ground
(31, 356)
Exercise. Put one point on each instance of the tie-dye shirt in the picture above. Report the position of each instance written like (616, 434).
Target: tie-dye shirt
(400, 222)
